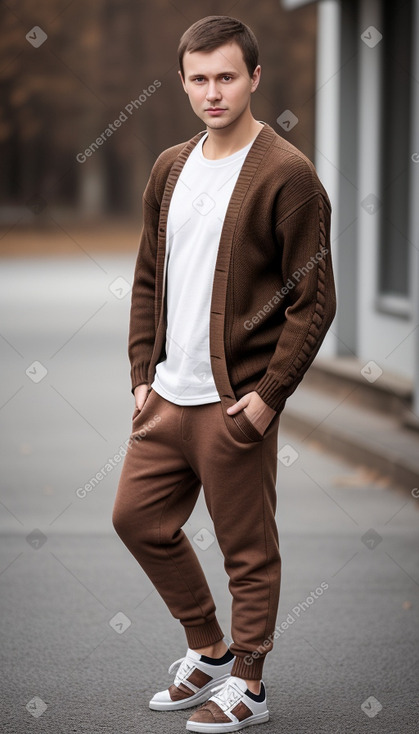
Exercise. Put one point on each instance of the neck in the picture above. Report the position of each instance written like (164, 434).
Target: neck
(223, 142)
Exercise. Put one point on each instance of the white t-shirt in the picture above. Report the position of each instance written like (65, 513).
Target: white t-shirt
(195, 220)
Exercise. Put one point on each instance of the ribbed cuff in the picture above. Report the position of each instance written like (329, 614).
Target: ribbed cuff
(139, 375)
(204, 634)
(272, 392)
(248, 667)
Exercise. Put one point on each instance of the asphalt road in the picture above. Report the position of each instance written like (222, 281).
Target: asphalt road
(85, 639)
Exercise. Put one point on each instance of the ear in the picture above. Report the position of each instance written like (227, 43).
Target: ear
(256, 78)
(182, 80)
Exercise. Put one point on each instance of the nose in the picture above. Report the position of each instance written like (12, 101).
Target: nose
(213, 92)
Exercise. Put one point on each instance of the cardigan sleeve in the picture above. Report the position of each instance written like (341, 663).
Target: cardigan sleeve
(307, 273)
(142, 322)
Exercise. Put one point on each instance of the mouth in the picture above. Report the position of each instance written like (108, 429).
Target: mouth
(215, 110)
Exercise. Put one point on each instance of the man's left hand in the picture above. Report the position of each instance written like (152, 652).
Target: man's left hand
(259, 413)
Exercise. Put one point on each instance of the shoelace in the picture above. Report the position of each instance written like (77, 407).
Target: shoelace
(226, 697)
(184, 667)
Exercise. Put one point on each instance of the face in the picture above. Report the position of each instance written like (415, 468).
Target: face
(218, 84)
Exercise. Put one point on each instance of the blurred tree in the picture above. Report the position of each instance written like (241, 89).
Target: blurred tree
(58, 98)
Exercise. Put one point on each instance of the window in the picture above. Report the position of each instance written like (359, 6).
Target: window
(394, 247)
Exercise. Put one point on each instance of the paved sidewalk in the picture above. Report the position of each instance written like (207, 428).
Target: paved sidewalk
(85, 639)
(357, 432)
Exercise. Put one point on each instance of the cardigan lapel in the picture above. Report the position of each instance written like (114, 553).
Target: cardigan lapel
(219, 362)
(171, 181)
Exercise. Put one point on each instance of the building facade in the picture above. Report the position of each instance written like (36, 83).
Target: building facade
(367, 155)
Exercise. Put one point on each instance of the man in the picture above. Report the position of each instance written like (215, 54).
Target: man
(233, 294)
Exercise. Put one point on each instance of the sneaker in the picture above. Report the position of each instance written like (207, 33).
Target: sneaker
(194, 681)
(231, 708)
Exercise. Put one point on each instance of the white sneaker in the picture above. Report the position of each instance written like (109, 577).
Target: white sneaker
(230, 709)
(194, 681)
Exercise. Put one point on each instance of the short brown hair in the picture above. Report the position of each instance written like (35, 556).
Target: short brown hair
(216, 30)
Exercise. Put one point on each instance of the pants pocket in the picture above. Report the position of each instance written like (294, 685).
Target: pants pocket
(138, 415)
(249, 431)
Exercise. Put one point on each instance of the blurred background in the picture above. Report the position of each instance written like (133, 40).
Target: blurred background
(89, 97)
(57, 98)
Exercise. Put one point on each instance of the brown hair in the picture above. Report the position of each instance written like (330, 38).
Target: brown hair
(214, 31)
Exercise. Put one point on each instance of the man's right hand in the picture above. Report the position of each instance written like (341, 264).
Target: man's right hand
(140, 394)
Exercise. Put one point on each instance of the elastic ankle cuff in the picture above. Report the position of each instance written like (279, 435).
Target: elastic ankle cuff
(204, 635)
(248, 667)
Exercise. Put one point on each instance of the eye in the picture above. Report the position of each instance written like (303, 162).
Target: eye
(227, 77)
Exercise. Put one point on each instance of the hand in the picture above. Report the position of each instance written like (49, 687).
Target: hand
(259, 413)
(140, 394)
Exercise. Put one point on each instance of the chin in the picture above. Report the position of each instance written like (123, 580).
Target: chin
(217, 123)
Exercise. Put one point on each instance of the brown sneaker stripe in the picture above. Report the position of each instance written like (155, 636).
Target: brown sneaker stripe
(177, 693)
(198, 678)
(241, 711)
(210, 713)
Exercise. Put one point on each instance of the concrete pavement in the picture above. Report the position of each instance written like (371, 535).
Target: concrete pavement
(85, 639)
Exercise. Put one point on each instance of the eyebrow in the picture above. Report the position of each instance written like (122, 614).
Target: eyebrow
(222, 73)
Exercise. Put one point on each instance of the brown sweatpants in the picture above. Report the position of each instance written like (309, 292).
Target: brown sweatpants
(174, 450)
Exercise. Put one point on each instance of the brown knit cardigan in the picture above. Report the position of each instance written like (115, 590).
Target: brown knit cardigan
(273, 297)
